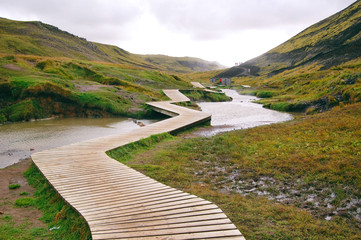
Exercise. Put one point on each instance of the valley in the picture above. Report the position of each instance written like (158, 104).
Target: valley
(298, 179)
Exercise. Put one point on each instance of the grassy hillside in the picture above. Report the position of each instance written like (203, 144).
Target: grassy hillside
(182, 64)
(330, 42)
(308, 88)
(37, 87)
(40, 39)
(45, 71)
(315, 70)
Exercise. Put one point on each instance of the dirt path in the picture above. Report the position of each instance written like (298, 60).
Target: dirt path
(14, 174)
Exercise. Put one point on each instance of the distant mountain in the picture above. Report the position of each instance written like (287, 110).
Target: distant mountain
(182, 64)
(40, 39)
(332, 41)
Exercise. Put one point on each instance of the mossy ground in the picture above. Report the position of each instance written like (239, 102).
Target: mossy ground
(35, 87)
(60, 216)
(307, 169)
(308, 88)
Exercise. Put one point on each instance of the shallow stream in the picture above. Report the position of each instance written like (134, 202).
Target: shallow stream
(240, 113)
(19, 140)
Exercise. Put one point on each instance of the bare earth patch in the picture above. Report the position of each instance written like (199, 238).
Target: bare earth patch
(88, 88)
(14, 175)
(12, 67)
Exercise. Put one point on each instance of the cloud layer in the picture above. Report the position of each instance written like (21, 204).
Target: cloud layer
(180, 27)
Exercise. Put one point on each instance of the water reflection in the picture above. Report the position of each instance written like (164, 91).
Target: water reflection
(239, 114)
(19, 140)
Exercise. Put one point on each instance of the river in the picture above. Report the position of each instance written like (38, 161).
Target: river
(240, 113)
(19, 140)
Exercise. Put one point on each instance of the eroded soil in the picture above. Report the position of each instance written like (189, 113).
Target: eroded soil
(14, 175)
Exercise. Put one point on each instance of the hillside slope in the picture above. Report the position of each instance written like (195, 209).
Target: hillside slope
(40, 39)
(314, 71)
(182, 64)
(330, 42)
(46, 72)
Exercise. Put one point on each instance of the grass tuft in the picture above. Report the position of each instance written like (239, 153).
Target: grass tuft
(56, 212)
(14, 186)
(24, 202)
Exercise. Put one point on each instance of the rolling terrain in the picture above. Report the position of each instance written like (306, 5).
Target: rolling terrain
(41, 39)
(330, 42)
(315, 70)
(182, 64)
(46, 72)
(294, 180)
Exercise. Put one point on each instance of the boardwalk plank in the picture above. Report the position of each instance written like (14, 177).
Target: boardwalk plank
(120, 203)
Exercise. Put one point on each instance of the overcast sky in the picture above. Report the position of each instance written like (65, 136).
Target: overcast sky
(226, 31)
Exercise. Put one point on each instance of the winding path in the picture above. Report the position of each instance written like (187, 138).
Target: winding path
(120, 203)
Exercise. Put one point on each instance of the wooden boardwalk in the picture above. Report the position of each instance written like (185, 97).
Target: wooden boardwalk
(199, 85)
(120, 203)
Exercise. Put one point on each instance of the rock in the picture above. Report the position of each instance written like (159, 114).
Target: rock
(54, 228)
(250, 190)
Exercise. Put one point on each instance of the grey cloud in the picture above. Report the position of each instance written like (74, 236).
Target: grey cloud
(212, 18)
(113, 20)
(96, 19)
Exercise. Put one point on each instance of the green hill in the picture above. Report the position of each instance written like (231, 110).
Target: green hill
(315, 70)
(182, 64)
(40, 39)
(45, 71)
(330, 42)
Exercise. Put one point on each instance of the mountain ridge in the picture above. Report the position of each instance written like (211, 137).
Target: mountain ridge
(330, 42)
(41, 39)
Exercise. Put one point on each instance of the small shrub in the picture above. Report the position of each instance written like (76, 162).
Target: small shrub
(14, 186)
(287, 106)
(7, 217)
(332, 100)
(24, 194)
(265, 94)
(2, 118)
(24, 202)
(311, 110)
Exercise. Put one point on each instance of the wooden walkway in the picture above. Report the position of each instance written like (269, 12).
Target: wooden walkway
(120, 203)
(199, 85)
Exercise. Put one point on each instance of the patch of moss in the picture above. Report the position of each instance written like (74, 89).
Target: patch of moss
(24, 202)
(14, 186)
(56, 212)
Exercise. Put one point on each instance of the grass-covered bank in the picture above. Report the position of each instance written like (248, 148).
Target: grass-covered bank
(279, 181)
(311, 88)
(64, 221)
(200, 95)
(35, 87)
(30, 208)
